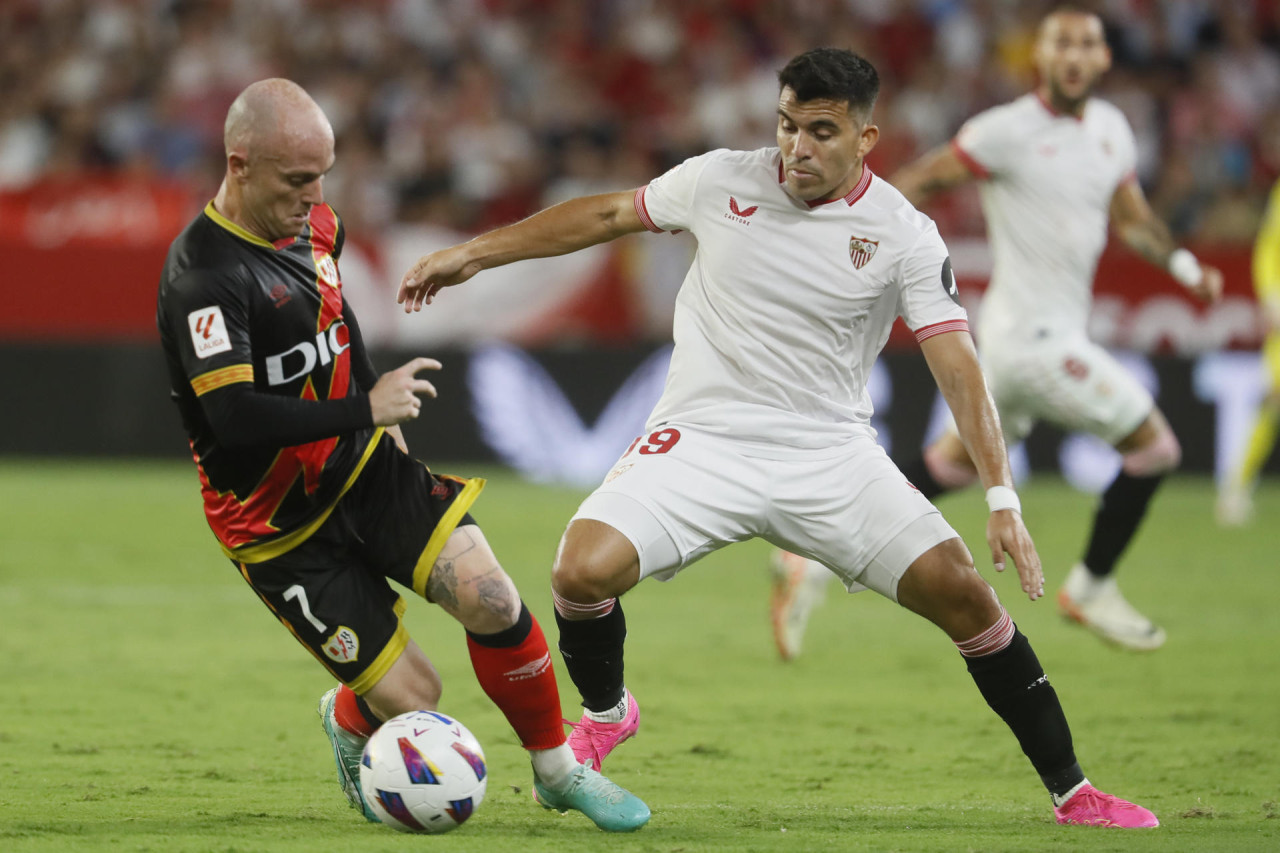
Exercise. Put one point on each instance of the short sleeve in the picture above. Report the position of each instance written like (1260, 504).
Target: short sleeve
(930, 300)
(207, 319)
(666, 203)
(1126, 148)
(983, 143)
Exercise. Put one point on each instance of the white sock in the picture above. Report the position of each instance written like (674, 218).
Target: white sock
(553, 766)
(1059, 800)
(616, 714)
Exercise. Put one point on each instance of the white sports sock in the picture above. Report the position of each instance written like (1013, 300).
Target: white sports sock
(553, 766)
(1059, 800)
(616, 714)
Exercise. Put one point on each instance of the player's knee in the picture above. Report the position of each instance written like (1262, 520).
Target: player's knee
(486, 601)
(586, 576)
(594, 563)
(1159, 456)
(944, 587)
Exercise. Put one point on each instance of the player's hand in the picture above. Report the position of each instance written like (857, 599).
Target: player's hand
(1006, 534)
(394, 399)
(432, 273)
(1210, 287)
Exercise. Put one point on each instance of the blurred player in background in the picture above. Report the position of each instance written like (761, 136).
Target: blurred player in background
(1235, 502)
(804, 261)
(306, 480)
(1055, 167)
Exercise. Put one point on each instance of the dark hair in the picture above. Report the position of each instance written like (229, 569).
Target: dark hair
(830, 72)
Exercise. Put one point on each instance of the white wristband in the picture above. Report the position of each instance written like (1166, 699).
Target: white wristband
(1184, 267)
(1003, 497)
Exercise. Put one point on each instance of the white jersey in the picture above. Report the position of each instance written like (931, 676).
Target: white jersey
(787, 303)
(1048, 180)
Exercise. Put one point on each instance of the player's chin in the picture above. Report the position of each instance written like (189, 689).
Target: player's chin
(808, 188)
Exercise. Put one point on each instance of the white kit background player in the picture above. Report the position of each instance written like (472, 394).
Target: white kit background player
(804, 261)
(1055, 167)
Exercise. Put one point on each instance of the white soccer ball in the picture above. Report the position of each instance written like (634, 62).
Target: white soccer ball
(423, 772)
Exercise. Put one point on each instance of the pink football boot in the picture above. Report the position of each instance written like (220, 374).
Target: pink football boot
(1091, 807)
(592, 741)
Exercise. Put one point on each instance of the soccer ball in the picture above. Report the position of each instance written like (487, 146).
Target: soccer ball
(423, 772)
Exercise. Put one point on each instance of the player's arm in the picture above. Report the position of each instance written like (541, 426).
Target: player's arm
(1137, 225)
(558, 230)
(954, 363)
(937, 171)
(243, 417)
(363, 372)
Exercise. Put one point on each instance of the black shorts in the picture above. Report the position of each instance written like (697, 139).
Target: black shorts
(332, 591)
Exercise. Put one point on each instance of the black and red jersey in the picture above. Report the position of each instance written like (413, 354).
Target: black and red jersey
(269, 372)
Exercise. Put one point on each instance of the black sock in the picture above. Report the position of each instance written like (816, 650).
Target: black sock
(918, 474)
(1015, 686)
(592, 652)
(1123, 505)
(365, 711)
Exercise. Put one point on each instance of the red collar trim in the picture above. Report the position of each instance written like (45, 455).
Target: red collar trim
(858, 191)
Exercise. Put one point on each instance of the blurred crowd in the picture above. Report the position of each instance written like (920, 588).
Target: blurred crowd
(469, 113)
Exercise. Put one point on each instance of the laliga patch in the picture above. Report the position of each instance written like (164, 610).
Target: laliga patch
(343, 646)
(208, 331)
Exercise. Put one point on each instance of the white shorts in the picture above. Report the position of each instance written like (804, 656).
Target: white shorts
(1067, 380)
(679, 494)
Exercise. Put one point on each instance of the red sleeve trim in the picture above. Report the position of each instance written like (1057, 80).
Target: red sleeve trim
(923, 334)
(643, 212)
(978, 170)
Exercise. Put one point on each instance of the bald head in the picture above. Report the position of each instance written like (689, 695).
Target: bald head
(279, 148)
(271, 116)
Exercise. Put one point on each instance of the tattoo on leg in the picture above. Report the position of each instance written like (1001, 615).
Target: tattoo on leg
(442, 585)
(495, 592)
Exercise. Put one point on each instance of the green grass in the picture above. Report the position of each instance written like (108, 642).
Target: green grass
(151, 703)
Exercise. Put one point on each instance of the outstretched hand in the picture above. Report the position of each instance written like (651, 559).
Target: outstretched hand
(1210, 287)
(394, 399)
(432, 273)
(1006, 534)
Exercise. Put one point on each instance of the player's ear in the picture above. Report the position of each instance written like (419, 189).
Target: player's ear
(238, 165)
(868, 139)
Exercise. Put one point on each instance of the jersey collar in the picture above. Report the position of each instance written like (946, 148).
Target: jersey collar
(1056, 113)
(248, 236)
(858, 191)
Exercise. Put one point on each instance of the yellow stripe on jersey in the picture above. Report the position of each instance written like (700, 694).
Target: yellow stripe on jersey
(235, 229)
(1266, 251)
(439, 536)
(220, 378)
(294, 538)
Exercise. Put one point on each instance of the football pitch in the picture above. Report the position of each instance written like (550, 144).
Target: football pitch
(151, 703)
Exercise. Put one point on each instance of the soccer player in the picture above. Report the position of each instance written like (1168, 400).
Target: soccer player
(306, 481)
(804, 260)
(1235, 502)
(1055, 167)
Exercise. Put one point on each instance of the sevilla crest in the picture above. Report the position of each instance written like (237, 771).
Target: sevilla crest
(861, 251)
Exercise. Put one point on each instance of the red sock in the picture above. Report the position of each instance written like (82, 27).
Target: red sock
(347, 711)
(514, 668)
